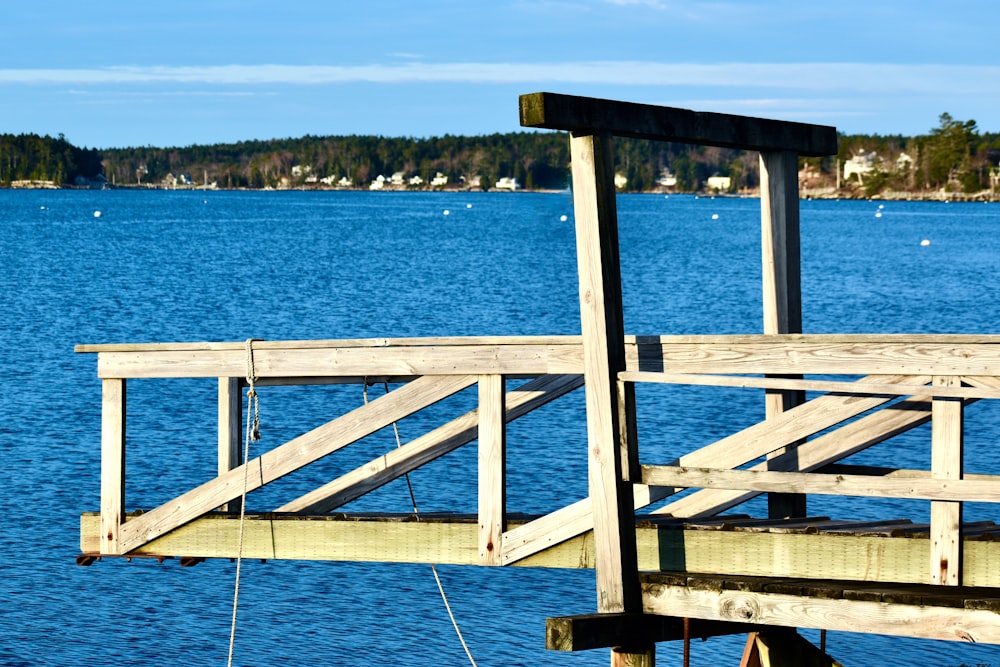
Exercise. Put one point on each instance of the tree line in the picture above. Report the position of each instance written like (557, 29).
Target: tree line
(954, 156)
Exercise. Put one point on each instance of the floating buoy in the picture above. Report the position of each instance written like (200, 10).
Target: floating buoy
(878, 214)
(468, 206)
(563, 218)
(97, 214)
(447, 212)
(43, 208)
(925, 242)
(881, 206)
(715, 216)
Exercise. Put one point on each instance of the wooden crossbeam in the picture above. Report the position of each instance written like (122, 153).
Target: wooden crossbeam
(843, 615)
(589, 631)
(825, 484)
(587, 115)
(290, 456)
(871, 388)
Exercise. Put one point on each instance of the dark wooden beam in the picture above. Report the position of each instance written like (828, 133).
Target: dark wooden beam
(589, 115)
(590, 631)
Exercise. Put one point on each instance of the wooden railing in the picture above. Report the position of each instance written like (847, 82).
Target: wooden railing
(432, 370)
(908, 380)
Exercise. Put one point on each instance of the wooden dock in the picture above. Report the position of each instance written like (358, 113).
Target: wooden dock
(666, 568)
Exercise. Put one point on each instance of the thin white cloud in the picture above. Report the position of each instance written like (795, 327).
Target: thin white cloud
(858, 77)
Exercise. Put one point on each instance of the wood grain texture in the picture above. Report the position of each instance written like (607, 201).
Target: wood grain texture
(492, 461)
(946, 464)
(906, 620)
(601, 320)
(113, 402)
(588, 115)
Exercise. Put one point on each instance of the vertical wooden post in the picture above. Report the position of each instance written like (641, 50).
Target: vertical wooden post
(112, 463)
(602, 325)
(946, 463)
(230, 431)
(782, 284)
(492, 468)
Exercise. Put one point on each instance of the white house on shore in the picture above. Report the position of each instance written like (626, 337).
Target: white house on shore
(860, 165)
(719, 183)
(507, 183)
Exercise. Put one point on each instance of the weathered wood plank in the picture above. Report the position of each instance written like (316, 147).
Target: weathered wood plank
(113, 402)
(512, 359)
(427, 447)
(936, 489)
(587, 115)
(601, 319)
(816, 355)
(708, 552)
(853, 354)
(589, 631)
(904, 620)
(946, 464)
(833, 386)
(291, 456)
(230, 431)
(492, 461)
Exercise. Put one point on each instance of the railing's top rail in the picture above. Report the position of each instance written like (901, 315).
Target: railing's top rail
(916, 354)
(588, 115)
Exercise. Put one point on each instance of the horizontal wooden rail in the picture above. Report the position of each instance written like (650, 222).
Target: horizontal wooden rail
(588, 115)
(918, 488)
(865, 389)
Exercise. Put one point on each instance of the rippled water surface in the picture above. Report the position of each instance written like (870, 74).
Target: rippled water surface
(164, 266)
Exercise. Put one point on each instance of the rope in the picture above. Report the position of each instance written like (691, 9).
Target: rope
(252, 433)
(416, 513)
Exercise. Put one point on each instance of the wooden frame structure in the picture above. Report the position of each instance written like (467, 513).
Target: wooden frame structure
(684, 558)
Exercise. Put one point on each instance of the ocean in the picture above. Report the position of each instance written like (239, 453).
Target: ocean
(158, 266)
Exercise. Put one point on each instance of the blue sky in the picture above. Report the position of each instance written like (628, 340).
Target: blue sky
(114, 74)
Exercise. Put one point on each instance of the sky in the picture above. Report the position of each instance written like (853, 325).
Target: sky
(115, 74)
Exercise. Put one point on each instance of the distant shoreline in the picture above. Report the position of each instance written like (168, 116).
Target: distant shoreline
(804, 194)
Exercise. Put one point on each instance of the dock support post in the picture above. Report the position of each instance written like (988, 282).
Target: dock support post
(782, 285)
(112, 463)
(946, 463)
(230, 431)
(608, 415)
(492, 468)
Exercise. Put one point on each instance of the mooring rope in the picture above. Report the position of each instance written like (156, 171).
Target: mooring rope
(416, 513)
(252, 433)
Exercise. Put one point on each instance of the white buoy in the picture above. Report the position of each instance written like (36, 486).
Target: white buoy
(715, 216)
(878, 214)
(468, 206)
(881, 206)
(925, 242)
(43, 208)
(447, 212)
(563, 218)
(97, 214)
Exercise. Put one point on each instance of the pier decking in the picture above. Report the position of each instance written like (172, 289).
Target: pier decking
(693, 556)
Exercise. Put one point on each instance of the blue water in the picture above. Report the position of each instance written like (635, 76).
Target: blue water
(164, 266)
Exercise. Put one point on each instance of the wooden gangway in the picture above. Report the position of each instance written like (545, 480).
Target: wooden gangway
(659, 554)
